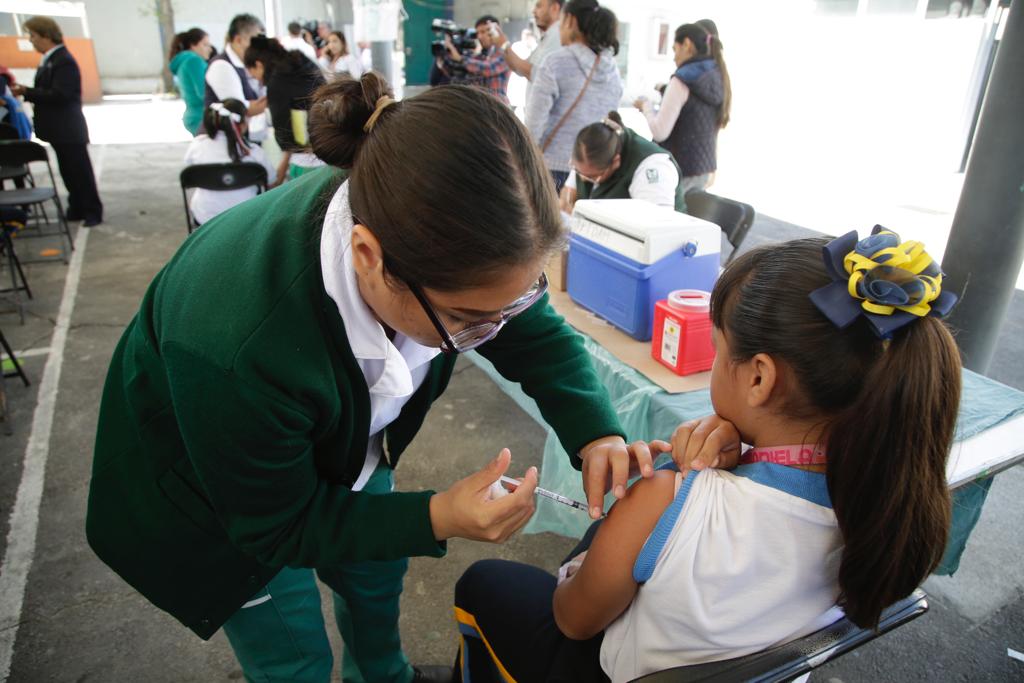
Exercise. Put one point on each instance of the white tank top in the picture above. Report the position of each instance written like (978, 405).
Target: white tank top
(739, 562)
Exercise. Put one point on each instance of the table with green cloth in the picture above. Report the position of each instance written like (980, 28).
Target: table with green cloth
(989, 437)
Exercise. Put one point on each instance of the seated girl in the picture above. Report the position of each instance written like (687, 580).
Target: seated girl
(700, 566)
(227, 143)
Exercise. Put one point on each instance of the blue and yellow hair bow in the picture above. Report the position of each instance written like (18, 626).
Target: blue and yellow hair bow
(890, 283)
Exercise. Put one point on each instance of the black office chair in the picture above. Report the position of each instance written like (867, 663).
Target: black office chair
(734, 218)
(25, 152)
(792, 660)
(219, 177)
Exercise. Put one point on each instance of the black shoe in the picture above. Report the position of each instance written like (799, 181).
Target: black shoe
(90, 222)
(432, 674)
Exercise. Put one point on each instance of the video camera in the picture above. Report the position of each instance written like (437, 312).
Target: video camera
(464, 39)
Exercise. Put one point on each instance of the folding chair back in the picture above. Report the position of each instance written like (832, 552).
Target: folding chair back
(13, 152)
(789, 661)
(734, 218)
(21, 153)
(219, 177)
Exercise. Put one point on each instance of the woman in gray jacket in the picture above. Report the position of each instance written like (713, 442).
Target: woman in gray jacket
(576, 84)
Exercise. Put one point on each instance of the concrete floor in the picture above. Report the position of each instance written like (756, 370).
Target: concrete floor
(80, 622)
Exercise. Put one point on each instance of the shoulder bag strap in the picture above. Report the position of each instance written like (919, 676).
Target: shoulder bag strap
(561, 121)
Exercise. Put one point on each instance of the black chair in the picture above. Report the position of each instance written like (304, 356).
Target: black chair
(19, 283)
(219, 177)
(24, 152)
(792, 660)
(17, 372)
(734, 218)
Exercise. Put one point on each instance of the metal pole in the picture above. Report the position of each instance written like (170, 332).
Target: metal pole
(380, 56)
(986, 246)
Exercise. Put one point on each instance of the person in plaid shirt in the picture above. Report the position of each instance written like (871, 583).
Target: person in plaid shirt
(488, 69)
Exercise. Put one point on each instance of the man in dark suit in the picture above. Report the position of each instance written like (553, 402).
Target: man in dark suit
(57, 100)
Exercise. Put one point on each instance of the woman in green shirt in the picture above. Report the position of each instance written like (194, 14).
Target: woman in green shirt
(189, 52)
(286, 356)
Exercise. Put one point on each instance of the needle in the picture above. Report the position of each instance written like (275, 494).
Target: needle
(557, 497)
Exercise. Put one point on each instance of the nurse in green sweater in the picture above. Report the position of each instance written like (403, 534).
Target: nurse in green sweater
(284, 359)
(189, 52)
(610, 161)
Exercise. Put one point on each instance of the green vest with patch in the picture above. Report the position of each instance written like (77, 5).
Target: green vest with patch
(634, 150)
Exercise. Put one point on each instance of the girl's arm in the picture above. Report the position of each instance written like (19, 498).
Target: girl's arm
(672, 103)
(592, 598)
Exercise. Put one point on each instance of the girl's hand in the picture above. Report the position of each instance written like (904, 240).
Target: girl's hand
(466, 510)
(640, 103)
(608, 463)
(705, 442)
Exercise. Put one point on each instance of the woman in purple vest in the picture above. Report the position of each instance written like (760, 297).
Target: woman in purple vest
(695, 106)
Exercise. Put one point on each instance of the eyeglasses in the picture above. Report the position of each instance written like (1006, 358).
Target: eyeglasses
(595, 180)
(478, 333)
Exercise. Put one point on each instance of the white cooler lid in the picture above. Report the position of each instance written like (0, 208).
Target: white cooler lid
(641, 230)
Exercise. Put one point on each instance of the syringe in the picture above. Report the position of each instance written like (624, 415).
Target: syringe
(557, 497)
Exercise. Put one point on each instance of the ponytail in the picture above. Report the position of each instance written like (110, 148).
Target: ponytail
(715, 48)
(887, 469)
(599, 142)
(185, 40)
(888, 408)
(598, 25)
(228, 117)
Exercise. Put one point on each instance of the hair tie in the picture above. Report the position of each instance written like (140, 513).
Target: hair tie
(383, 102)
(220, 109)
(613, 125)
(709, 40)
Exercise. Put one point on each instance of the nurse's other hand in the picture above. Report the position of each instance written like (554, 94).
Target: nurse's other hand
(466, 510)
(709, 441)
(608, 463)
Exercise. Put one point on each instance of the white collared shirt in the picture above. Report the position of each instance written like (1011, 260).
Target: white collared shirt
(393, 369)
(655, 180)
(46, 55)
(291, 42)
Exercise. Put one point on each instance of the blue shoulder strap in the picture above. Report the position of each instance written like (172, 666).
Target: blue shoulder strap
(648, 557)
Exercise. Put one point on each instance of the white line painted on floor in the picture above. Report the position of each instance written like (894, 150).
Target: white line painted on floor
(24, 520)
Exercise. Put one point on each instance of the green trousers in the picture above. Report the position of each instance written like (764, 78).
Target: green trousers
(280, 635)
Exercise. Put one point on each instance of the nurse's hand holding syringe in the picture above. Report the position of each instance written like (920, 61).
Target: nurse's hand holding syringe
(467, 509)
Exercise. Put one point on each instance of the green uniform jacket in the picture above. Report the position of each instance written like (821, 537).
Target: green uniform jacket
(634, 150)
(234, 417)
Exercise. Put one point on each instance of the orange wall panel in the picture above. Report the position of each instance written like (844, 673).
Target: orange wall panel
(13, 57)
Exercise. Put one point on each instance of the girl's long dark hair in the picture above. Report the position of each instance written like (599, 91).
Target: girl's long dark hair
(707, 43)
(889, 409)
(272, 55)
(214, 122)
(475, 199)
(598, 25)
(185, 40)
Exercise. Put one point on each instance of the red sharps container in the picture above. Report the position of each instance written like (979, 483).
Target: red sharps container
(682, 332)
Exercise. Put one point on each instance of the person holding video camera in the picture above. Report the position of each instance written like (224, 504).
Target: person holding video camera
(488, 69)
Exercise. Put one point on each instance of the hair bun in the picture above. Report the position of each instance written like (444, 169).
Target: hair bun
(339, 111)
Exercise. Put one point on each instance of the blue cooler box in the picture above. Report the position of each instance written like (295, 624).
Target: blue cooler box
(626, 254)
